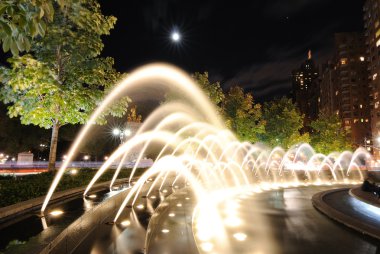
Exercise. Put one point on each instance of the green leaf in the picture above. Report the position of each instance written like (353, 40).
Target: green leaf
(14, 48)
(6, 44)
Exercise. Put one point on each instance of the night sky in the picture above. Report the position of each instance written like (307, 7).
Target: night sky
(254, 44)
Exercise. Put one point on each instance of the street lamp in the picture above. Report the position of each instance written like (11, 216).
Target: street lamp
(121, 133)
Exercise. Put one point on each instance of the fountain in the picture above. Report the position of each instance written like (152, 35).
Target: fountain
(196, 152)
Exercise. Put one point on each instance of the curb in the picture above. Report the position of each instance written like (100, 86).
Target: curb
(339, 216)
(366, 197)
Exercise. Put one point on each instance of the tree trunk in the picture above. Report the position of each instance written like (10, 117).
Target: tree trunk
(53, 147)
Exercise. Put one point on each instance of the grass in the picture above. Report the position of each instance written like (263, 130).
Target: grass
(17, 189)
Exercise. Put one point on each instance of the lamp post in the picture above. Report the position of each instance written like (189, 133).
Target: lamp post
(121, 133)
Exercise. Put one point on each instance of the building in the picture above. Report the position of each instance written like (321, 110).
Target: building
(305, 89)
(372, 41)
(344, 87)
(328, 103)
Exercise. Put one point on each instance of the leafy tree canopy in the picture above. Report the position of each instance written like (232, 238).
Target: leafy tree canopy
(283, 124)
(242, 115)
(63, 78)
(329, 135)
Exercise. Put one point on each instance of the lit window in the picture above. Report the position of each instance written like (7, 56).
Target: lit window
(366, 120)
(343, 61)
(336, 93)
(362, 58)
(378, 43)
(356, 120)
(377, 104)
(362, 120)
(374, 76)
(361, 106)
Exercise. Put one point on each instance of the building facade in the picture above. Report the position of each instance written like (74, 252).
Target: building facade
(344, 87)
(305, 90)
(372, 41)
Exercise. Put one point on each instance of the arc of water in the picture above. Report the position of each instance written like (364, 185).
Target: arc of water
(167, 163)
(163, 73)
(159, 136)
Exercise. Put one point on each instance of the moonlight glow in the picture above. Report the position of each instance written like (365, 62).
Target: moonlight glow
(176, 36)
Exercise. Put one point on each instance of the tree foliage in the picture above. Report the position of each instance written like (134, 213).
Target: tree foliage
(242, 115)
(213, 90)
(23, 20)
(283, 124)
(63, 79)
(133, 116)
(328, 135)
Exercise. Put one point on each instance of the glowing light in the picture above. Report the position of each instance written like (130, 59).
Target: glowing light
(92, 196)
(141, 206)
(362, 58)
(153, 197)
(240, 236)
(207, 247)
(125, 223)
(176, 36)
(116, 132)
(127, 132)
(164, 191)
(86, 157)
(73, 171)
(56, 213)
(171, 214)
(165, 231)
(179, 205)
(232, 221)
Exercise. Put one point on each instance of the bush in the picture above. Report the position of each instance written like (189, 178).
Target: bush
(16, 189)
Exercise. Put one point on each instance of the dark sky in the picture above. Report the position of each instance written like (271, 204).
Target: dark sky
(254, 44)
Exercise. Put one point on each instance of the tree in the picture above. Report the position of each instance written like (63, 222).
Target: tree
(133, 116)
(328, 135)
(213, 90)
(23, 20)
(63, 79)
(242, 115)
(283, 124)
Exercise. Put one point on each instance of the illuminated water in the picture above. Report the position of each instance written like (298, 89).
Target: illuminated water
(195, 150)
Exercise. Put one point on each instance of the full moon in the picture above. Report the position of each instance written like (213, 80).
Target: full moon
(175, 36)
